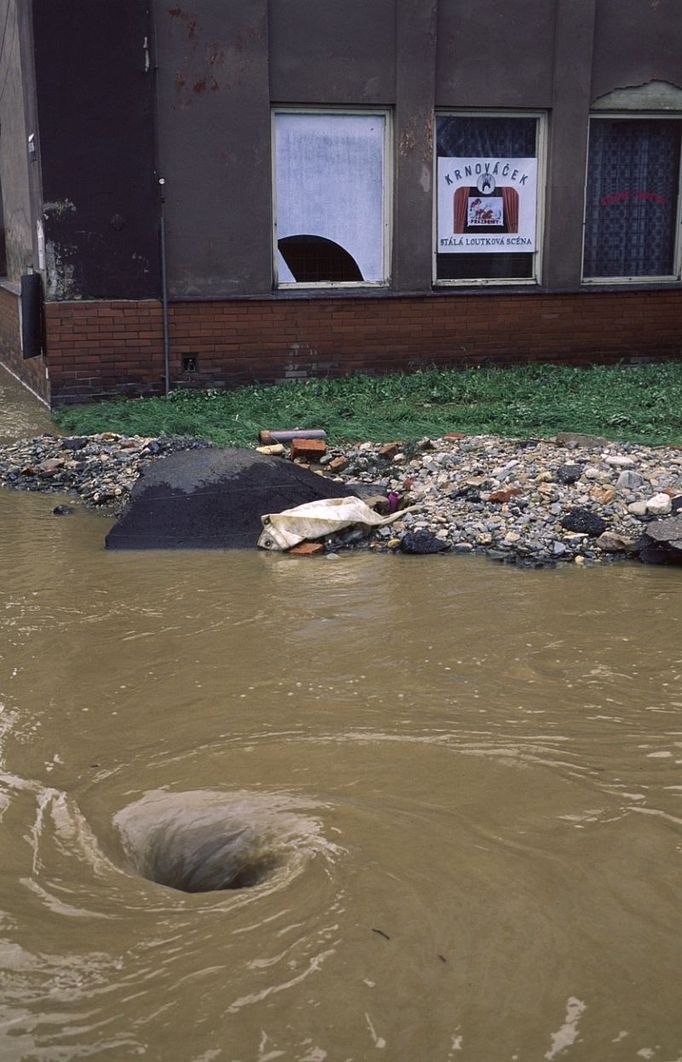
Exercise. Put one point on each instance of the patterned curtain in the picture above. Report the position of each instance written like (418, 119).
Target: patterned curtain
(631, 201)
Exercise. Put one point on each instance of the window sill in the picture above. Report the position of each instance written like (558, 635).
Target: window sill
(631, 282)
(493, 282)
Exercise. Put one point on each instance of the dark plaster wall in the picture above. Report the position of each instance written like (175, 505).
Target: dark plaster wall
(348, 54)
(414, 128)
(95, 107)
(567, 146)
(221, 64)
(214, 136)
(493, 54)
(637, 41)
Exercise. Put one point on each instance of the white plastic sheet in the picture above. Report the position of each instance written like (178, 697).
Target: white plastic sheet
(316, 519)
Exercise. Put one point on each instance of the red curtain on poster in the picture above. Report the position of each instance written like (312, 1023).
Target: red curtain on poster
(510, 198)
(460, 203)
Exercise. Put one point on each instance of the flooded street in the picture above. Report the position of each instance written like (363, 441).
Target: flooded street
(21, 415)
(440, 800)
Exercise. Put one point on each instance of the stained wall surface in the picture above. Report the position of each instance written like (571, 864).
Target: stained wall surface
(131, 94)
(94, 79)
(15, 130)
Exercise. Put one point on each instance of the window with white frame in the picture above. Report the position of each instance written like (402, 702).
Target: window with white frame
(487, 172)
(632, 199)
(330, 198)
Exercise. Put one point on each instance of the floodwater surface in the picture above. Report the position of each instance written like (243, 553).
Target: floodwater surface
(257, 807)
(21, 415)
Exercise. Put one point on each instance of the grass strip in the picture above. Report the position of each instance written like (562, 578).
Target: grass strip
(639, 404)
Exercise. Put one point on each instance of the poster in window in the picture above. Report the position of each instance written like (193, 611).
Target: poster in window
(486, 205)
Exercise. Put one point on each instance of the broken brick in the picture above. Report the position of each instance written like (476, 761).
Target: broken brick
(307, 449)
(307, 549)
(502, 496)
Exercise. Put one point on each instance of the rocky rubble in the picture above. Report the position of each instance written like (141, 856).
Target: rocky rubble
(100, 469)
(529, 502)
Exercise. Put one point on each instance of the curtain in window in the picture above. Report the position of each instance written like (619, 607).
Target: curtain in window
(631, 200)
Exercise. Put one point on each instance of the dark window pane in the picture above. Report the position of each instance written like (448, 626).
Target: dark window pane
(312, 259)
(484, 266)
(470, 136)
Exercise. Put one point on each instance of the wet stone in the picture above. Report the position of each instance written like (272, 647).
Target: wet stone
(422, 542)
(584, 521)
(568, 474)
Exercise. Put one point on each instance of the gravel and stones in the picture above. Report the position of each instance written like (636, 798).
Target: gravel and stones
(508, 499)
(528, 502)
(100, 469)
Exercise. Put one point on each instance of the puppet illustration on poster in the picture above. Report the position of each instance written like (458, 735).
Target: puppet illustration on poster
(486, 205)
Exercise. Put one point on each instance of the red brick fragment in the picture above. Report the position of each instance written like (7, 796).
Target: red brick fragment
(453, 436)
(504, 495)
(307, 549)
(307, 449)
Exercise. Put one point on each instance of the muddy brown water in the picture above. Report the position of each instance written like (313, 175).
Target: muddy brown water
(448, 793)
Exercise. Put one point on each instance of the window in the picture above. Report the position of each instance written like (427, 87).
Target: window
(487, 208)
(330, 199)
(632, 199)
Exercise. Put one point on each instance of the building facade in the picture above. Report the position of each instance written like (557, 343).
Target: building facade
(232, 191)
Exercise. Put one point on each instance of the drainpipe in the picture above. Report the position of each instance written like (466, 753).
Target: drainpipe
(151, 63)
(164, 290)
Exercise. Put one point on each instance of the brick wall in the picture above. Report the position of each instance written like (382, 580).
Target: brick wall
(98, 349)
(101, 348)
(32, 371)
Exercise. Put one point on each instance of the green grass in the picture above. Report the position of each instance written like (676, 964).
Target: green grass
(641, 404)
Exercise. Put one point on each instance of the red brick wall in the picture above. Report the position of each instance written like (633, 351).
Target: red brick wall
(31, 371)
(100, 348)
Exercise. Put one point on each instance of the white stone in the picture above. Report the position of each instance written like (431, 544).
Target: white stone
(659, 505)
(638, 508)
(619, 461)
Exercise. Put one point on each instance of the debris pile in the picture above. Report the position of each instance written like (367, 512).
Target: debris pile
(530, 502)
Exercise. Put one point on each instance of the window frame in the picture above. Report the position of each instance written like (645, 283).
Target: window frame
(541, 118)
(668, 278)
(387, 197)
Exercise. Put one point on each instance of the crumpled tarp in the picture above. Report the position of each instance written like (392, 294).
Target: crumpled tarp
(316, 519)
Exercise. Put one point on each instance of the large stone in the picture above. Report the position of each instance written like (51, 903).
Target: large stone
(422, 542)
(659, 505)
(610, 542)
(213, 499)
(661, 543)
(573, 439)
